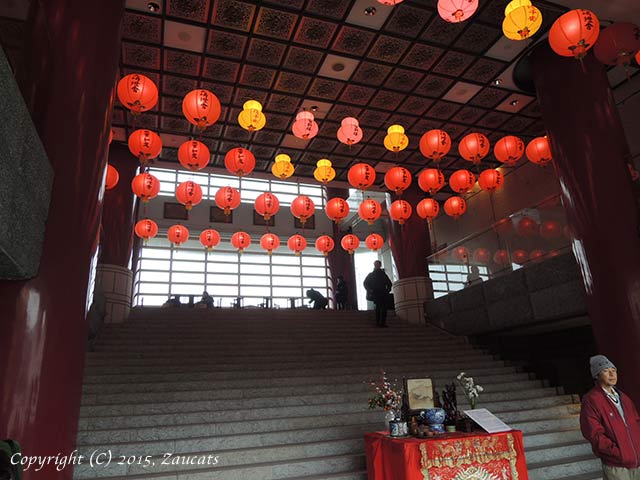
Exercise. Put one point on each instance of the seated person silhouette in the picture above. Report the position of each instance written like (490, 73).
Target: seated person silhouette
(319, 301)
(474, 276)
(205, 301)
(173, 302)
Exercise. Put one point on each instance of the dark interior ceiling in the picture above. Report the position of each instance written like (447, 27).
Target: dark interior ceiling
(402, 65)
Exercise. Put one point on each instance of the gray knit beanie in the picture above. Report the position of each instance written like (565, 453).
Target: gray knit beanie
(599, 363)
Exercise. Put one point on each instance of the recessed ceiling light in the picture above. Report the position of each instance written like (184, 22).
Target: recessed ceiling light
(184, 36)
(497, 81)
(514, 102)
(153, 7)
(337, 67)
(370, 11)
(314, 108)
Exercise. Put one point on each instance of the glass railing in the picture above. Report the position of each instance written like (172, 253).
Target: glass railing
(530, 235)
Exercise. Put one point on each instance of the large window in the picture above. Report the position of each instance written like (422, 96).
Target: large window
(451, 277)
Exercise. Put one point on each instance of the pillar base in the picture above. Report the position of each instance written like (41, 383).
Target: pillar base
(115, 283)
(409, 296)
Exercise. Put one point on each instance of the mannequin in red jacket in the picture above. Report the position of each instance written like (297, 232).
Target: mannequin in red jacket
(610, 421)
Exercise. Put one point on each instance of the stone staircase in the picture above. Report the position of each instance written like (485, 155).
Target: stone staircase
(275, 394)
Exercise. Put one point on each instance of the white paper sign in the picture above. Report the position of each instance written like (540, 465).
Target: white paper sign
(487, 420)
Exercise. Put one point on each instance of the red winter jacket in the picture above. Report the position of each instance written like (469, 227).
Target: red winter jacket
(617, 444)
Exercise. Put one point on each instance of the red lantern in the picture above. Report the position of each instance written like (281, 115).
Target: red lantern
(474, 147)
(305, 126)
(209, 238)
(112, 178)
(297, 244)
(189, 194)
(146, 229)
(202, 108)
(361, 176)
(527, 227)
(350, 243)
(481, 255)
(400, 211)
(617, 44)
(110, 136)
(239, 161)
(538, 151)
(374, 242)
(240, 240)
(397, 179)
(427, 208)
(369, 210)
(267, 205)
(573, 33)
(269, 242)
(349, 132)
(509, 150)
(461, 181)
(455, 11)
(504, 226)
(178, 234)
(137, 93)
(455, 207)
(491, 180)
(325, 244)
(520, 257)
(227, 198)
(145, 145)
(550, 230)
(194, 155)
(435, 144)
(145, 186)
(501, 257)
(337, 209)
(431, 180)
(461, 254)
(302, 207)
(536, 254)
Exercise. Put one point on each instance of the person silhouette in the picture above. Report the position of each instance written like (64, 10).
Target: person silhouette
(378, 286)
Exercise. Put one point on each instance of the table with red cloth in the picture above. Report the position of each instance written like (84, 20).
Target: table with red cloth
(448, 456)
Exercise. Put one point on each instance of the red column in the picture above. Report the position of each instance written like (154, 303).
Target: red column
(590, 154)
(71, 57)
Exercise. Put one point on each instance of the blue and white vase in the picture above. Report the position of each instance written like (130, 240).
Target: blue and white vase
(435, 419)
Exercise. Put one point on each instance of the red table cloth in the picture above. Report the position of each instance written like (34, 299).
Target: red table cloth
(449, 456)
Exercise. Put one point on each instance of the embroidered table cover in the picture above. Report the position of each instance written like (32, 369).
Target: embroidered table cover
(450, 456)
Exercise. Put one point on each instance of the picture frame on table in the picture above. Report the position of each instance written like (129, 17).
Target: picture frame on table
(420, 393)
(175, 211)
(216, 215)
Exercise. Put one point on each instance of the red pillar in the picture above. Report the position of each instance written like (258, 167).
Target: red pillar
(71, 59)
(590, 155)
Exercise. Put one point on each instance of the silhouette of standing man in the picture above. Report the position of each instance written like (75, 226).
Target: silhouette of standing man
(378, 287)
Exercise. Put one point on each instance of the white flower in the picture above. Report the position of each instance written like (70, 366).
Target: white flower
(459, 377)
(480, 389)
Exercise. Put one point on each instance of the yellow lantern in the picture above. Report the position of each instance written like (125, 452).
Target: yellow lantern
(513, 4)
(522, 22)
(324, 172)
(396, 140)
(282, 168)
(251, 118)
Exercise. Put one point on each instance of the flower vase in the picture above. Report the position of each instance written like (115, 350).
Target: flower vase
(434, 417)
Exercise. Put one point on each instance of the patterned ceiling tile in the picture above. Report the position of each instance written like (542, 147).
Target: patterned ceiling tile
(493, 119)
(275, 23)
(283, 103)
(373, 118)
(340, 161)
(453, 63)
(257, 76)
(325, 88)
(328, 8)
(233, 14)
(234, 134)
(443, 110)
(141, 27)
(454, 130)
(354, 41)
(243, 94)
(403, 80)
(477, 38)
(422, 56)
(292, 83)
(177, 86)
(434, 86)
(117, 116)
(373, 152)
(371, 73)
(278, 122)
(169, 154)
(532, 110)
(517, 124)
(216, 69)
(357, 94)
(442, 32)
(175, 124)
(484, 70)
(297, 4)
(324, 145)
(303, 60)
(408, 21)
(329, 129)
(172, 105)
(305, 170)
(415, 105)
(340, 111)
(426, 124)
(140, 55)
(387, 100)
(265, 52)
(405, 121)
(214, 131)
(469, 115)
(177, 61)
(267, 137)
(225, 44)
(148, 120)
(536, 129)
(190, 9)
(315, 32)
(493, 12)
(223, 92)
(388, 49)
(264, 153)
(489, 97)
(549, 15)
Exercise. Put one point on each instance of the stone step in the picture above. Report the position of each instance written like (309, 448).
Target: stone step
(566, 467)
(585, 476)
(540, 439)
(557, 451)
(546, 425)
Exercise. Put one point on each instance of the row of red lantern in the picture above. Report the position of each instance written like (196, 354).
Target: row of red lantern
(501, 256)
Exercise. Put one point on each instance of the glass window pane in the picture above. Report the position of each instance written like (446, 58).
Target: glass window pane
(154, 288)
(146, 264)
(315, 282)
(313, 261)
(456, 277)
(255, 184)
(287, 292)
(254, 258)
(263, 269)
(221, 256)
(282, 270)
(440, 286)
(249, 196)
(218, 279)
(454, 287)
(155, 253)
(168, 176)
(251, 291)
(286, 199)
(150, 300)
(218, 181)
(183, 289)
(188, 278)
(311, 191)
(313, 272)
(154, 276)
(224, 290)
(436, 268)
(222, 267)
(438, 276)
(286, 281)
(282, 187)
(199, 178)
(255, 280)
(285, 260)
(184, 254)
(187, 266)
